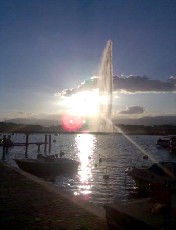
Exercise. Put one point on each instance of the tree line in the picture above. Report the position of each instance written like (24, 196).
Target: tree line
(129, 129)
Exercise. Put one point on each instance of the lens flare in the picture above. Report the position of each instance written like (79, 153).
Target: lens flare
(72, 122)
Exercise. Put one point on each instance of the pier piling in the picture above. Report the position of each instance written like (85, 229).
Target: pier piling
(4, 144)
(45, 143)
(49, 149)
(26, 144)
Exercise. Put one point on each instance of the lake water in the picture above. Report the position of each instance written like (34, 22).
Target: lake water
(98, 155)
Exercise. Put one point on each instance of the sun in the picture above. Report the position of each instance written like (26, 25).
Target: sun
(84, 103)
(83, 109)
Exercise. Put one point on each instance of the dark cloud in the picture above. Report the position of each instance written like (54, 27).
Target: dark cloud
(142, 84)
(133, 110)
(130, 84)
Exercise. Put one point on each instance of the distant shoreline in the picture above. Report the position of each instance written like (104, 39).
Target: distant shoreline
(163, 130)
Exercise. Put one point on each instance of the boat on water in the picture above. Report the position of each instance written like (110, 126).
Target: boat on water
(163, 142)
(172, 146)
(161, 172)
(48, 166)
(8, 142)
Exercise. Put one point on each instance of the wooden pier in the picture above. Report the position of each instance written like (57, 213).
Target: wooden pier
(6, 146)
(30, 143)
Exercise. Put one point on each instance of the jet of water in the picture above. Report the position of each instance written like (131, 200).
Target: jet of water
(105, 87)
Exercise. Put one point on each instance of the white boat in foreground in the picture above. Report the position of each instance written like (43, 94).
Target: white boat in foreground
(161, 172)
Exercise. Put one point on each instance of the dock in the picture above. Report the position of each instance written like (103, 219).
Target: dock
(28, 202)
(29, 143)
(6, 143)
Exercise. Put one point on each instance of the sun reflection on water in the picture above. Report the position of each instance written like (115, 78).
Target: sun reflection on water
(86, 145)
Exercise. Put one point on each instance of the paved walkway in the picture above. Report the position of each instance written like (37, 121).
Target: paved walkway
(27, 203)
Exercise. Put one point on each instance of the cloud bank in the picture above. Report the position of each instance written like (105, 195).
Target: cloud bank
(129, 84)
(133, 110)
(25, 113)
(134, 84)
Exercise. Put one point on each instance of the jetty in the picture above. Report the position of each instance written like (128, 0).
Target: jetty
(6, 145)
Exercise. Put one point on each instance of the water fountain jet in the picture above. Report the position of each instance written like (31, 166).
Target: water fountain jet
(105, 87)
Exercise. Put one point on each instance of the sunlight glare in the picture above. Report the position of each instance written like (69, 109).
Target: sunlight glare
(84, 103)
(85, 146)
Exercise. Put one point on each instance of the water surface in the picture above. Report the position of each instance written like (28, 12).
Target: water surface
(98, 155)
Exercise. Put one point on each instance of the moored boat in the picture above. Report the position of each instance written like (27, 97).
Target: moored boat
(163, 142)
(48, 167)
(172, 146)
(8, 142)
(161, 172)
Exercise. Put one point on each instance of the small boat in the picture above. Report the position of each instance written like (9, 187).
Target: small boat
(163, 142)
(172, 146)
(161, 172)
(48, 166)
(8, 142)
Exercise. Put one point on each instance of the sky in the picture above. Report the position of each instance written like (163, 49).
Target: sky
(50, 49)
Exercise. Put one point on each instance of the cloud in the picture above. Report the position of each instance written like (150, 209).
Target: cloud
(128, 84)
(66, 92)
(172, 80)
(135, 84)
(25, 113)
(86, 85)
(133, 110)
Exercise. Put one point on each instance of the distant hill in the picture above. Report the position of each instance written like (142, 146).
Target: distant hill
(147, 121)
(34, 121)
